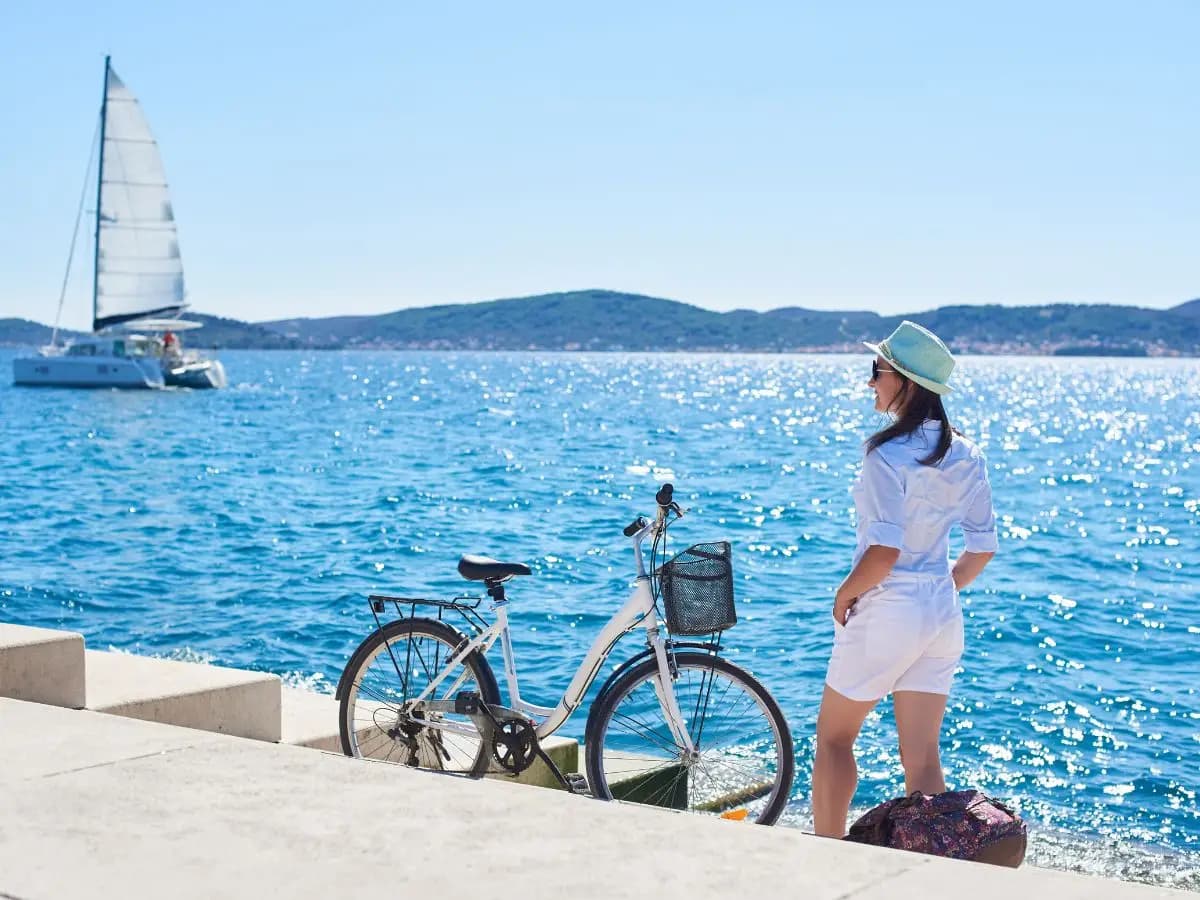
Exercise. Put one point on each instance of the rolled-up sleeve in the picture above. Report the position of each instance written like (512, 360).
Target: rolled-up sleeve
(883, 506)
(979, 523)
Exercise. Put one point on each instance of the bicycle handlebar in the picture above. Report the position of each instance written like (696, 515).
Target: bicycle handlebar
(666, 501)
(666, 504)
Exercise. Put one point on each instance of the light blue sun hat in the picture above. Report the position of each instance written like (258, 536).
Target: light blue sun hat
(918, 354)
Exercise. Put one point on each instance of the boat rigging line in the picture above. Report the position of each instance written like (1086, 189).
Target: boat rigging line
(75, 233)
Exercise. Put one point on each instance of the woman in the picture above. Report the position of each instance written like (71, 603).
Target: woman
(898, 628)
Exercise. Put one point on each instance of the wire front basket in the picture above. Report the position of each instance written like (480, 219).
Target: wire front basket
(697, 589)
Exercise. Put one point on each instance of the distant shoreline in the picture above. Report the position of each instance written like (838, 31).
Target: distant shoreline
(613, 321)
(708, 351)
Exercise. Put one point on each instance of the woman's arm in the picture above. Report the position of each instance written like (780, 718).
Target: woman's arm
(968, 566)
(882, 512)
(876, 564)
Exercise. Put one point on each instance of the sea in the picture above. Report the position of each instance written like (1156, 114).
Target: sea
(246, 527)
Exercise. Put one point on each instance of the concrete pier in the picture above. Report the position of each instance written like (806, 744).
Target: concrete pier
(100, 805)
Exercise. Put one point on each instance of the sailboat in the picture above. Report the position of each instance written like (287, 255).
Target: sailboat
(137, 272)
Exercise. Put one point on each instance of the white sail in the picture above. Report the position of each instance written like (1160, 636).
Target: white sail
(138, 268)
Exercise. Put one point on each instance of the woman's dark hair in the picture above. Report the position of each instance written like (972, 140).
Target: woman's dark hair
(917, 404)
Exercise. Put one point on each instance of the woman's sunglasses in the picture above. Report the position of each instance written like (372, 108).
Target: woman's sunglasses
(876, 371)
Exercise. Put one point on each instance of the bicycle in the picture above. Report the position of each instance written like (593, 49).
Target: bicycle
(676, 725)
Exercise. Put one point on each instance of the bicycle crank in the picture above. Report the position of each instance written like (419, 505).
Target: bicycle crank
(511, 736)
(514, 745)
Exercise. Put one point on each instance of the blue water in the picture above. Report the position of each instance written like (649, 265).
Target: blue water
(245, 527)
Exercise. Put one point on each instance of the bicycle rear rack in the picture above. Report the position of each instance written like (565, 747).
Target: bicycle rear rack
(465, 606)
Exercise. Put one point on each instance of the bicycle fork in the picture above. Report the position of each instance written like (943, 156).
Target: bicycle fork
(664, 688)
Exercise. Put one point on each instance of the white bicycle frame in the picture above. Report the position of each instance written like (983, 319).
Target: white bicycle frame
(638, 610)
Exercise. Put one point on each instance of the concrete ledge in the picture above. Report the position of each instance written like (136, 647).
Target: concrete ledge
(210, 698)
(310, 720)
(41, 665)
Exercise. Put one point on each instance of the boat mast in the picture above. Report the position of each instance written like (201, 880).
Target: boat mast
(99, 192)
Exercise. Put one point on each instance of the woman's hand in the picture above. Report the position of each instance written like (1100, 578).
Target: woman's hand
(968, 566)
(842, 604)
(875, 565)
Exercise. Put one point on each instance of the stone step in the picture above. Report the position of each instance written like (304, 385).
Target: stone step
(311, 720)
(210, 698)
(42, 665)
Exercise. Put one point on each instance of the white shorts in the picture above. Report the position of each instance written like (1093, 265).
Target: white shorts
(905, 635)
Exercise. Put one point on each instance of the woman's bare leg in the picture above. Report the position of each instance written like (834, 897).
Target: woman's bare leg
(835, 774)
(919, 723)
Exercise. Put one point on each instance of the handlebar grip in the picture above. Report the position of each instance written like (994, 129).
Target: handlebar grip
(635, 526)
(664, 495)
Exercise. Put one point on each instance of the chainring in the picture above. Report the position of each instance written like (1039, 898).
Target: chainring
(514, 745)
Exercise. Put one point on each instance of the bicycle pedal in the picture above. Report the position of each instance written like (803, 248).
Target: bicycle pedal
(577, 783)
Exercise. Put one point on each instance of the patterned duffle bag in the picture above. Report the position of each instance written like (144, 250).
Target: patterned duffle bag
(958, 824)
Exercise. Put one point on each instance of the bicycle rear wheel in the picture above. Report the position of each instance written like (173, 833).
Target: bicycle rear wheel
(743, 763)
(380, 717)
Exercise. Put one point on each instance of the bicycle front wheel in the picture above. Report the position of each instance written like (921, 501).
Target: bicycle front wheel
(381, 715)
(742, 764)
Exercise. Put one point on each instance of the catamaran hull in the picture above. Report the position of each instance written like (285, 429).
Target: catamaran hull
(65, 371)
(206, 374)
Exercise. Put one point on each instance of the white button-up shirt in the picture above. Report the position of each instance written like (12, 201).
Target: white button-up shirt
(912, 507)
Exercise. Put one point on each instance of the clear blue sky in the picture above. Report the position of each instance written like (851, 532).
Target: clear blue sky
(887, 156)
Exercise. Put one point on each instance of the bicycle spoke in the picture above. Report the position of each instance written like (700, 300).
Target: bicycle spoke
(378, 695)
(706, 691)
(709, 764)
(669, 790)
(666, 743)
(706, 681)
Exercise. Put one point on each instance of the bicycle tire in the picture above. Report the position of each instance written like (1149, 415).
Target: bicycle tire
(371, 649)
(665, 774)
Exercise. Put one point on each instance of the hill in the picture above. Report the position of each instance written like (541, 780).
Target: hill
(217, 333)
(23, 333)
(232, 334)
(584, 320)
(1191, 308)
(610, 320)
